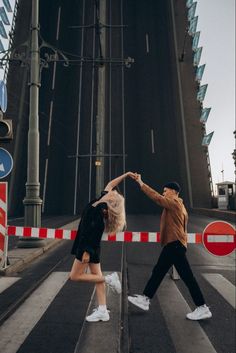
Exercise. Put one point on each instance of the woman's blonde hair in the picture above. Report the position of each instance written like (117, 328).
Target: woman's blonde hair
(116, 220)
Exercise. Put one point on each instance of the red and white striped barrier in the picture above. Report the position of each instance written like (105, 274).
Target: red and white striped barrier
(46, 233)
(144, 237)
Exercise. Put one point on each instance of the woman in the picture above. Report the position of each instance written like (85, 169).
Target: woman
(107, 213)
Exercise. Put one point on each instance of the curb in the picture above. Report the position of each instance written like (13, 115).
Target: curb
(229, 216)
(21, 259)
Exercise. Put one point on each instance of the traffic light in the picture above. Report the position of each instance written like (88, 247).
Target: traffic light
(6, 131)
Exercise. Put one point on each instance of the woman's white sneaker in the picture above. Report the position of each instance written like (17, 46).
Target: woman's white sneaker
(113, 281)
(141, 301)
(200, 313)
(98, 315)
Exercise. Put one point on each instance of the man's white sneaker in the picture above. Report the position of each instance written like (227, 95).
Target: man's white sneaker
(113, 281)
(141, 301)
(98, 315)
(200, 313)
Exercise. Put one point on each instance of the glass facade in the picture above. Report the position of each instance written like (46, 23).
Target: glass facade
(197, 56)
(1, 46)
(7, 5)
(193, 26)
(204, 115)
(207, 139)
(192, 10)
(189, 3)
(201, 93)
(3, 32)
(195, 41)
(200, 72)
(3, 16)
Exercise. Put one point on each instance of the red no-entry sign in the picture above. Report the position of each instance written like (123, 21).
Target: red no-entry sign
(219, 238)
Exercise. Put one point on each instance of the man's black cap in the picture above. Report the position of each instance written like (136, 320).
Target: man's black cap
(172, 185)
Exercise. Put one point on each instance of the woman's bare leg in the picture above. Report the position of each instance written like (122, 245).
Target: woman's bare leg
(100, 286)
(77, 273)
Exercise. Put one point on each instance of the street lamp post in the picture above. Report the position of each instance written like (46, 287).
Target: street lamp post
(30, 58)
(32, 201)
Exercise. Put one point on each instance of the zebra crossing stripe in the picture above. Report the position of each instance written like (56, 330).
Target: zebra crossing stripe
(184, 333)
(14, 331)
(6, 282)
(111, 329)
(225, 288)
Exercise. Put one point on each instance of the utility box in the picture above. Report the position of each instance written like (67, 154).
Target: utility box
(226, 195)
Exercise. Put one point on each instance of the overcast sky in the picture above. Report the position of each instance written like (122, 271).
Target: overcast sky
(216, 23)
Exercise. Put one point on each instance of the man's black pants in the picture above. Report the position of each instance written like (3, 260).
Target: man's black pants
(174, 254)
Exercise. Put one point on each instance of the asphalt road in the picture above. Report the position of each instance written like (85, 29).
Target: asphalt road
(52, 309)
(143, 130)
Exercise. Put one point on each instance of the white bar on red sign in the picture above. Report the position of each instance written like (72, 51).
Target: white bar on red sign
(220, 238)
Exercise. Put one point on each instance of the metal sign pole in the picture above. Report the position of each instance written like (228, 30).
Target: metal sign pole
(6, 237)
(3, 225)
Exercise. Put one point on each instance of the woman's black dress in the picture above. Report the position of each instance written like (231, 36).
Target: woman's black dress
(90, 230)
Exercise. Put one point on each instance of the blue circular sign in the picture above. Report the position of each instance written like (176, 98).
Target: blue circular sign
(3, 96)
(6, 163)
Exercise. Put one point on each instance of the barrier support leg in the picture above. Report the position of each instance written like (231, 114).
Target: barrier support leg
(174, 274)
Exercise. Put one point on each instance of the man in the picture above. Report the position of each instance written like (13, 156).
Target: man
(173, 234)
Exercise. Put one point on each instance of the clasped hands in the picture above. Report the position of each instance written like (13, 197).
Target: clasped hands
(135, 176)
